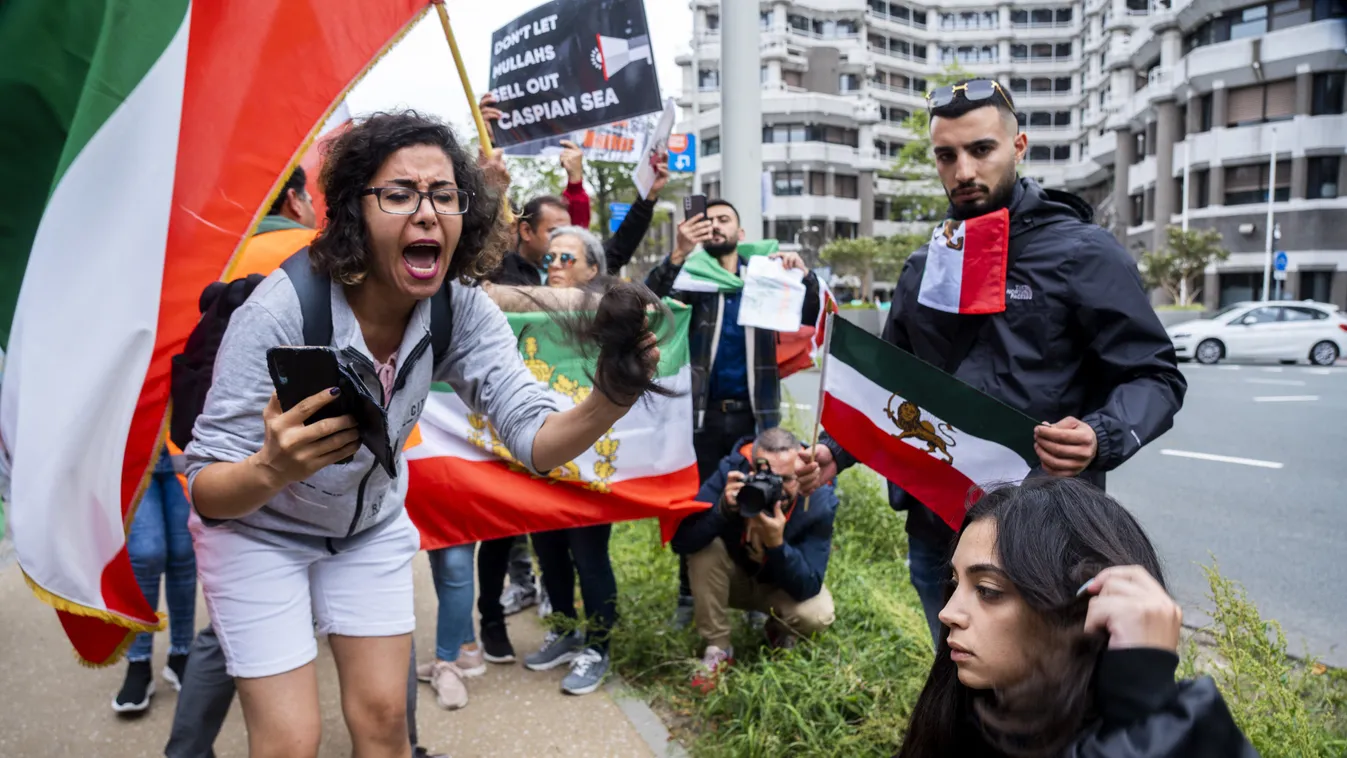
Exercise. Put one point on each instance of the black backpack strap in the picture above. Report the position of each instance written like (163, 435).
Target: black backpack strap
(441, 322)
(314, 290)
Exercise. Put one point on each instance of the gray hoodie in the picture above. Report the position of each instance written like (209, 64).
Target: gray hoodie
(483, 366)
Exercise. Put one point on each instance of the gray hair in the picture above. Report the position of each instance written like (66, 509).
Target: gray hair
(775, 440)
(593, 247)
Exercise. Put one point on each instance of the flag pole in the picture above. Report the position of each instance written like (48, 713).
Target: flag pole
(822, 384)
(483, 134)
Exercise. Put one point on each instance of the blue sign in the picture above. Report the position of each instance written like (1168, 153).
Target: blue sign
(1280, 261)
(683, 153)
(616, 212)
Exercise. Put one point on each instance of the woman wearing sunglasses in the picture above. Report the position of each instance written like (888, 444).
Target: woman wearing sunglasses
(288, 536)
(574, 257)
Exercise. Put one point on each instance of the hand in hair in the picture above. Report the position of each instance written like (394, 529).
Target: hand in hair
(1065, 448)
(1132, 607)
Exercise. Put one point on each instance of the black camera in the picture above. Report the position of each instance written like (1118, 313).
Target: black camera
(762, 491)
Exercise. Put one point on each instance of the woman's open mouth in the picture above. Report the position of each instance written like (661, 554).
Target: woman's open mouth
(422, 259)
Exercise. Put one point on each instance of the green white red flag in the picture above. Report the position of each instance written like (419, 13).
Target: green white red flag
(466, 487)
(966, 265)
(934, 436)
(143, 140)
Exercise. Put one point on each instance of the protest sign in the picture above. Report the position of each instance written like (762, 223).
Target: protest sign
(568, 65)
(773, 296)
(656, 142)
(618, 142)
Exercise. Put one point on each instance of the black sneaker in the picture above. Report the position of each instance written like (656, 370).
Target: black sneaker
(136, 690)
(175, 670)
(496, 645)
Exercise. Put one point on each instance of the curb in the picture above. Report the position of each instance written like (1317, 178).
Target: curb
(647, 723)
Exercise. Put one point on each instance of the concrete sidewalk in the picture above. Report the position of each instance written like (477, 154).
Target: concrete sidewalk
(52, 706)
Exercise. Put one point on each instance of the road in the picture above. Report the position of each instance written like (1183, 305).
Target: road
(1254, 473)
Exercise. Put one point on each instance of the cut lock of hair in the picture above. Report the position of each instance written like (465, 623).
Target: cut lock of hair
(611, 335)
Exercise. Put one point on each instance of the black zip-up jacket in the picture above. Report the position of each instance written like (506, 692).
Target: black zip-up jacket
(764, 377)
(1140, 712)
(798, 566)
(1078, 338)
(515, 269)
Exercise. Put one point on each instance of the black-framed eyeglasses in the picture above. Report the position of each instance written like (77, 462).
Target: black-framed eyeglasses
(567, 260)
(973, 91)
(403, 201)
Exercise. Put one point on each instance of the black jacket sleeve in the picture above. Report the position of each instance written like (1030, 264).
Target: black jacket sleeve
(661, 278)
(619, 248)
(1144, 713)
(700, 529)
(809, 312)
(1130, 353)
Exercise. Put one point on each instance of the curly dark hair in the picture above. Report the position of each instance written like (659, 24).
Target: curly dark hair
(341, 250)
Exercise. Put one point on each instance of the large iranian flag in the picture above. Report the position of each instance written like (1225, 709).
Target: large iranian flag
(142, 141)
(927, 432)
(466, 487)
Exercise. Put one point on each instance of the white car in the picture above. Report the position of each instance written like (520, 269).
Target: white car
(1281, 330)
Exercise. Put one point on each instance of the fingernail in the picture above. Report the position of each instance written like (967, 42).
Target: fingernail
(1084, 587)
(335, 391)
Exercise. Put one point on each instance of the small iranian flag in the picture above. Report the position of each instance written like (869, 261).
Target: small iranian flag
(142, 141)
(966, 265)
(465, 486)
(920, 428)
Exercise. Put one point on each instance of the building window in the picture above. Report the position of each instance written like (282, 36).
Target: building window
(845, 186)
(787, 228)
(1150, 204)
(1204, 113)
(835, 135)
(1062, 16)
(1139, 144)
(1289, 13)
(785, 133)
(1040, 153)
(1326, 93)
(1250, 22)
(1316, 285)
(709, 80)
(849, 83)
(1245, 185)
(1322, 183)
(818, 183)
(1137, 205)
(1061, 152)
(844, 229)
(711, 146)
(1256, 104)
(765, 21)
(712, 189)
(712, 23)
(787, 183)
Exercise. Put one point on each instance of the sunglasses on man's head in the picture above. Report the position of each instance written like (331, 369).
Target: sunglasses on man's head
(974, 91)
(567, 260)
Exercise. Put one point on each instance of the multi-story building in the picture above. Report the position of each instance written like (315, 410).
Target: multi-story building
(1116, 96)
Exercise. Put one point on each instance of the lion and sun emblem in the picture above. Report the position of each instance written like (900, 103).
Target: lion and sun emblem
(939, 438)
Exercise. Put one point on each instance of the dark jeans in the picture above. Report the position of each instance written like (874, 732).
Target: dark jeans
(496, 558)
(160, 545)
(208, 690)
(928, 567)
(712, 443)
(581, 550)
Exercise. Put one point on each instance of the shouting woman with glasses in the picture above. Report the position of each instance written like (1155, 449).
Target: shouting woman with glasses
(289, 534)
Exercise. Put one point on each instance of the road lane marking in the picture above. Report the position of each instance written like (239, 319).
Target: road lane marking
(1286, 399)
(1319, 371)
(1221, 458)
(1228, 368)
(1290, 382)
(1273, 369)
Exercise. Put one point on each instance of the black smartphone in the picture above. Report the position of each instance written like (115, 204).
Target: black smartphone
(694, 205)
(301, 372)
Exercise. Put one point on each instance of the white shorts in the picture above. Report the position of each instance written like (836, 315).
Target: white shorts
(264, 590)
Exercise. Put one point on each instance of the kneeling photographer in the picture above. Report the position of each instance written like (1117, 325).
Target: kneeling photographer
(758, 548)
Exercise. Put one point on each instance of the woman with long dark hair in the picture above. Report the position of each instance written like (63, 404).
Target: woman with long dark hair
(1059, 639)
(288, 535)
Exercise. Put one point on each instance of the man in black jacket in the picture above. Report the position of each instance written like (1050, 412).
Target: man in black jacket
(736, 387)
(773, 562)
(1077, 346)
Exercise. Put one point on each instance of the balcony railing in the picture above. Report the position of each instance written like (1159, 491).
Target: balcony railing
(898, 88)
(1043, 25)
(894, 19)
(1042, 59)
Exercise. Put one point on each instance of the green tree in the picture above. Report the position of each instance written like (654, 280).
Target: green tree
(1178, 268)
(531, 177)
(871, 258)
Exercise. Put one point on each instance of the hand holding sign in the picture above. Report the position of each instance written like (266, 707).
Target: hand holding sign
(573, 160)
(661, 165)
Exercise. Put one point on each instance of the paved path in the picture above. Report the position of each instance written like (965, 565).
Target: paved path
(51, 706)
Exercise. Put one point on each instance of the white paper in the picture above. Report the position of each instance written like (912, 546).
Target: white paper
(773, 296)
(656, 142)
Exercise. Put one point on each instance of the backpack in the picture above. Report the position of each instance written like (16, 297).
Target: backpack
(194, 367)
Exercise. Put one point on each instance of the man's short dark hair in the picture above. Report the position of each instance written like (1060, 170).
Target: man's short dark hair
(961, 105)
(719, 201)
(774, 440)
(296, 182)
(533, 209)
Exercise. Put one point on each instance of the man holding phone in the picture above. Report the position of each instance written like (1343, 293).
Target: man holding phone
(736, 387)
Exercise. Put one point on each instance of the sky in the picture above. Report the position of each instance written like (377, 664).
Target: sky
(419, 71)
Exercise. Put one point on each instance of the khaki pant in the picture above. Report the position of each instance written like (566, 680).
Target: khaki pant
(719, 584)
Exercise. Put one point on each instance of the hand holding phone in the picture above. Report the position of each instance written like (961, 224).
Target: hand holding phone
(694, 205)
(296, 446)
